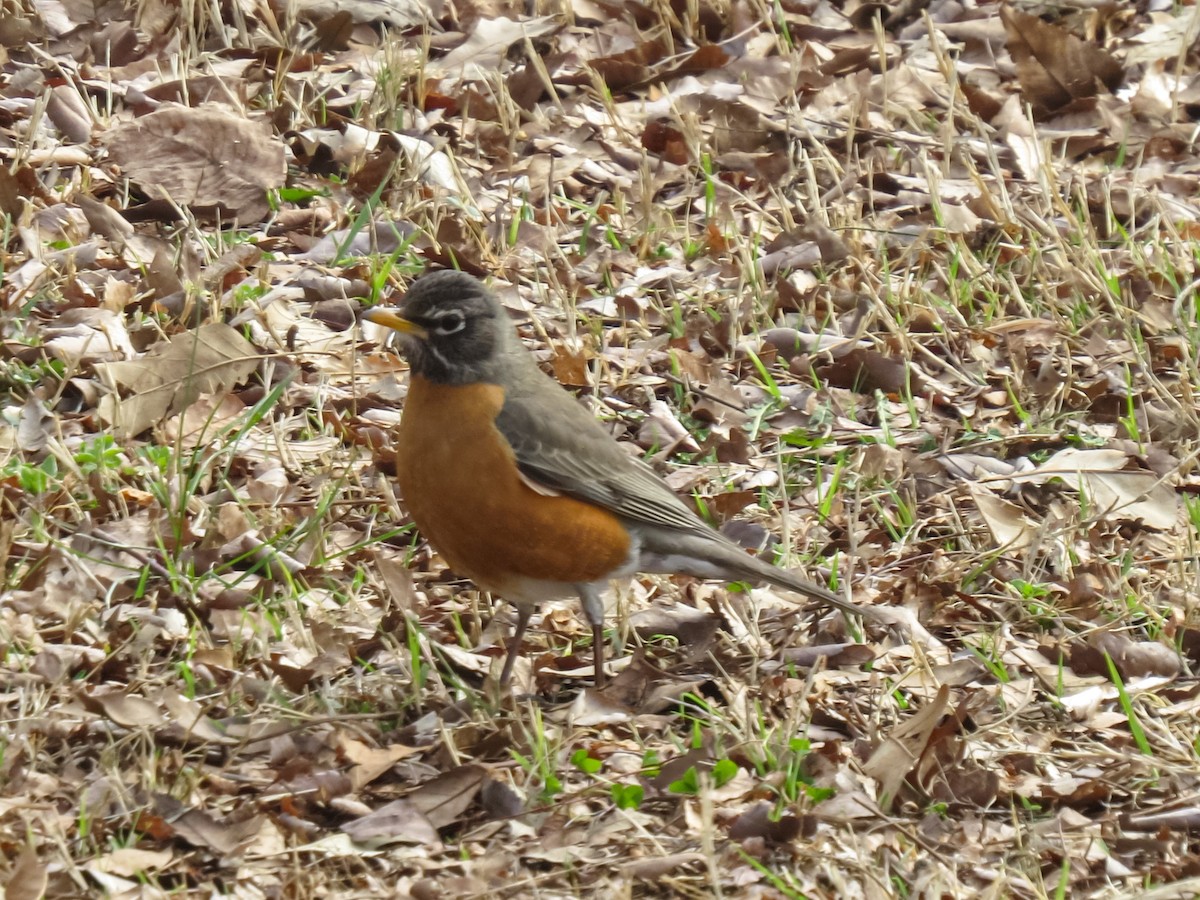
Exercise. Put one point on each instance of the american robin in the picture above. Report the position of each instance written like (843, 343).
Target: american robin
(518, 486)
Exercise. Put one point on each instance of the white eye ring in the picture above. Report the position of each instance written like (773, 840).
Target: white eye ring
(450, 323)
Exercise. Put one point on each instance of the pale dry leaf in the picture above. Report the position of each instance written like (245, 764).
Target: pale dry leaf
(663, 433)
(128, 862)
(371, 762)
(270, 486)
(398, 582)
(900, 751)
(1011, 528)
(201, 157)
(287, 329)
(1110, 487)
(111, 885)
(739, 786)
(488, 42)
(28, 877)
(188, 718)
(400, 14)
(88, 336)
(36, 426)
(443, 799)
(207, 416)
(395, 821)
(432, 166)
(58, 16)
(200, 829)
(653, 868)
(69, 113)
(106, 221)
(209, 360)
(1137, 659)
(1164, 38)
(591, 710)
(130, 710)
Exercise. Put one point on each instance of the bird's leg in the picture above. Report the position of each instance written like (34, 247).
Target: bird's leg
(598, 653)
(593, 609)
(524, 613)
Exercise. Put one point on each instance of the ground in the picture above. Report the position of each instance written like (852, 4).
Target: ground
(903, 298)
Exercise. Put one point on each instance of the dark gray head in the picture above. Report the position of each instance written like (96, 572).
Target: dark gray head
(451, 328)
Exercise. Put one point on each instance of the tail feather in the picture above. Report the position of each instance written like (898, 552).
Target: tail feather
(710, 555)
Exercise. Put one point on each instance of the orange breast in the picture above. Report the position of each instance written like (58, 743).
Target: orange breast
(460, 482)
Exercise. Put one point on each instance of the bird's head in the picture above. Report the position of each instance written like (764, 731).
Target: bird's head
(450, 327)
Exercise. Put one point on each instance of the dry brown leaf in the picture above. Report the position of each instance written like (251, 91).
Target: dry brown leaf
(201, 157)
(1054, 66)
(35, 428)
(831, 655)
(1010, 527)
(399, 14)
(623, 70)
(1111, 488)
(899, 753)
(443, 799)
(167, 379)
(28, 877)
(488, 42)
(653, 868)
(499, 800)
(866, 371)
(69, 113)
(371, 762)
(758, 822)
(188, 719)
(395, 821)
(1133, 659)
(663, 433)
(665, 140)
(130, 710)
(201, 829)
(570, 369)
(693, 627)
(131, 861)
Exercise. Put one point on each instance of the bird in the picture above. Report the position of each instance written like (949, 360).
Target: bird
(519, 487)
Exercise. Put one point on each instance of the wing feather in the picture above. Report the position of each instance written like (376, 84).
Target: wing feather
(560, 445)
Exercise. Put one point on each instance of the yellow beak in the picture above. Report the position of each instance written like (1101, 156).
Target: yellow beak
(385, 317)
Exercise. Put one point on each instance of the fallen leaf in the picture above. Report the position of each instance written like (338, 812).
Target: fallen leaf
(172, 375)
(371, 762)
(653, 868)
(443, 799)
(1010, 527)
(395, 821)
(28, 877)
(130, 710)
(1133, 659)
(900, 751)
(1111, 488)
(200, 829)
(758, 822)
(201, 157)
(1054, 66)
(131, 861)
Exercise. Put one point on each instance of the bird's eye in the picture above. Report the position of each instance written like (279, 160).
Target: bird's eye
(450, 323)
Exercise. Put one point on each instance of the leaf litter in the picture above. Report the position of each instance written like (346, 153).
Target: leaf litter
(904, 298)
